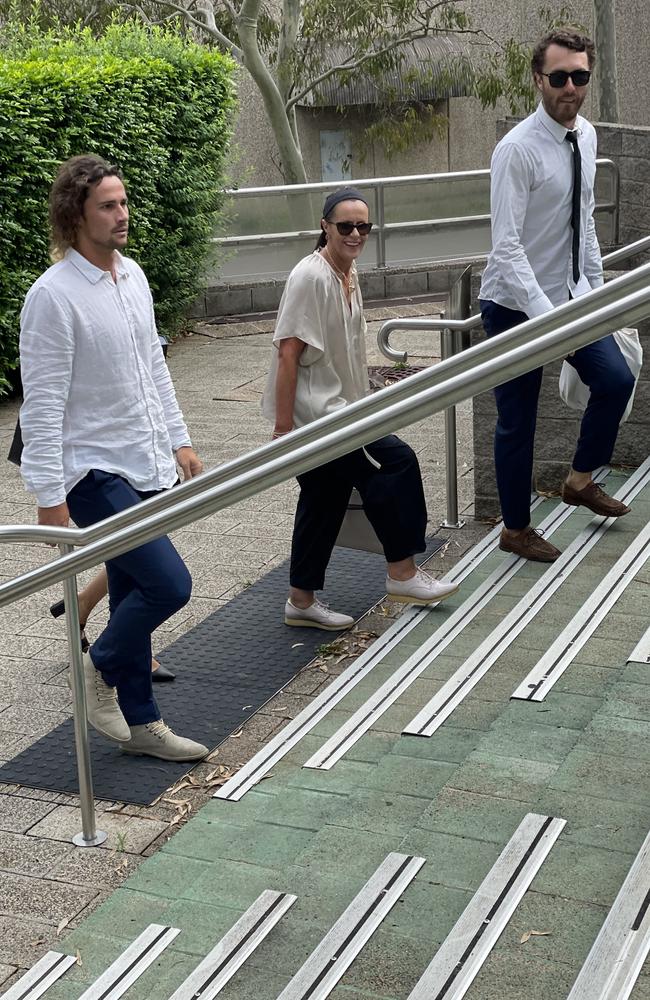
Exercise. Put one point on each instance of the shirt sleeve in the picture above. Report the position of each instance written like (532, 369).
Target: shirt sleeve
(593, 264)
(511, 183)
(46, 359)
(176, 427)
(301, 315)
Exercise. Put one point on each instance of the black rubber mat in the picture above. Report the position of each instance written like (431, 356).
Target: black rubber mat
(227, 667)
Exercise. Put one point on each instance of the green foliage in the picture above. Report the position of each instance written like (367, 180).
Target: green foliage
(154, 103)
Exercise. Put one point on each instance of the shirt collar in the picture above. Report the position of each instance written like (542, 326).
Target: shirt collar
(89, 271)
(557, 131)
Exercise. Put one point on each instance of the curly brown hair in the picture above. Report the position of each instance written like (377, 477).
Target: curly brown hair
(569, 38)
(68, 194)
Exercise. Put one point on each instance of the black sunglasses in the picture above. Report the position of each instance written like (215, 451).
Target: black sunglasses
(347, 228)
(558, 78)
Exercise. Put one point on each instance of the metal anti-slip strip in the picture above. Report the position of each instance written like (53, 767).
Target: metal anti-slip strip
(461, 955)
(277, 748)
(135, 960)
(220, 965)
(641, 652)
(623, 943)
(563, 651)
(379, 702)
(316, 979)
(40, 977)
(459, 685)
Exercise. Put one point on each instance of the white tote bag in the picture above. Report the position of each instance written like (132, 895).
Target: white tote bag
(575, 393)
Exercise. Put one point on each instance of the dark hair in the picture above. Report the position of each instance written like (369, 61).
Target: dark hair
(68, 194)
(568, 38)
(332, 200)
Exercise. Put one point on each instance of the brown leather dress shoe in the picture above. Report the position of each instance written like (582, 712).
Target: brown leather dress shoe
(594, 499)
(530, 545)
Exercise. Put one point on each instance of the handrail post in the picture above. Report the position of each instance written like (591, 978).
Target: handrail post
(451, 459)
(381, 222)
(90, 836)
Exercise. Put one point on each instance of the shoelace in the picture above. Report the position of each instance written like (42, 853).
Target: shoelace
(104, 692)
(158, 728)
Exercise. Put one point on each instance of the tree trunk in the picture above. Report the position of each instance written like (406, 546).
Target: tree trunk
(605, 32)
(292, 166)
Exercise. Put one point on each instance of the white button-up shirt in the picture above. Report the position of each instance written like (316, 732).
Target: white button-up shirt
(530, 266)
(97, 391)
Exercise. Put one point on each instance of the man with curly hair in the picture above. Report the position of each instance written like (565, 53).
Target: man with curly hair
(102, 431)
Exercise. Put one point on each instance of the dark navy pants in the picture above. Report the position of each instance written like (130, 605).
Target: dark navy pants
(145, 587)
(601, 366)
(393, 500)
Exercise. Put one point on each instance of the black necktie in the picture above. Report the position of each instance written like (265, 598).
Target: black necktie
(572, 137)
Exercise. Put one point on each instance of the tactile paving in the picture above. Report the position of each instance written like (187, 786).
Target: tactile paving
(226, 668)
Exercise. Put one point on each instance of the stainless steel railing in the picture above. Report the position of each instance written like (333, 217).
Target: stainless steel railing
(455, 325)
(627, 299)
(462, 197)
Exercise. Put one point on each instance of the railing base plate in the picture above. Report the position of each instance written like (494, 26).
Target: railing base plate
(451, 525)
(80, 841)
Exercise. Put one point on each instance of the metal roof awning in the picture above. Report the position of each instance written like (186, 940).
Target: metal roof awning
(431, 69)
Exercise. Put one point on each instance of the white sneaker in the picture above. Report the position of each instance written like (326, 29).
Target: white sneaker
(155, 739)
(317, 615)
(421, 589)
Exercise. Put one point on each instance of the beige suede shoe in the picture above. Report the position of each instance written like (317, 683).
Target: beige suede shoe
(155, 739)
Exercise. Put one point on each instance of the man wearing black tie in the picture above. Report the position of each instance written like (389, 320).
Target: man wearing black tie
(544, 252)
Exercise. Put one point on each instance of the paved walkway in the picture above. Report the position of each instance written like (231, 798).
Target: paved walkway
(47, 886)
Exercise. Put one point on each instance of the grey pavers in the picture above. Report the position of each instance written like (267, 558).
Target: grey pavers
(24, 857)
(42, 899)
(18, 814)
(125, 833)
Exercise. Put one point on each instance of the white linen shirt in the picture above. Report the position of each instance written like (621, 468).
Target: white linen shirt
(97, 391)
(530, 267)
(332, 369)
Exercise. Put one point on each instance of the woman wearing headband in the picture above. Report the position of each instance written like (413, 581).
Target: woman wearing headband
(319, 366)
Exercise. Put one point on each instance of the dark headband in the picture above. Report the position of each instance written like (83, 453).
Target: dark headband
(343, 194)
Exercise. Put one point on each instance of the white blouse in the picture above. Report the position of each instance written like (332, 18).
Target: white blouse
(332, 369)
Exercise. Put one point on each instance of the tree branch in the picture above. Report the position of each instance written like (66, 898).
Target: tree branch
(352, 63)
(203, 25)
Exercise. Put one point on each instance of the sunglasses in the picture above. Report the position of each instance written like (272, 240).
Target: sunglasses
(558, 78)
(347, 228)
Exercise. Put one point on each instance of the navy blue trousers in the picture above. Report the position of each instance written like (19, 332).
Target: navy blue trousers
(393, 499)
(601, 366)
(146, 586)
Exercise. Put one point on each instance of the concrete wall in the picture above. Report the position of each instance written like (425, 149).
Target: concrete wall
(472, 130)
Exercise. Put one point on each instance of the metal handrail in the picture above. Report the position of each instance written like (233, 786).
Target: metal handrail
(608, 294)
(465, 325)
(378, 186)
(486, 365)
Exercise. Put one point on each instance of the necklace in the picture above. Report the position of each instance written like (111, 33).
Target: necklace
(348, 281)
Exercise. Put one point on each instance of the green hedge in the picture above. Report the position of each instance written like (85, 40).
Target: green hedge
(151, 101)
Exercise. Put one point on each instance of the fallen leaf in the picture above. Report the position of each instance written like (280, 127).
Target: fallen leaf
(64, 923)
(235, 736)
(529, 934)
(79, 962)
